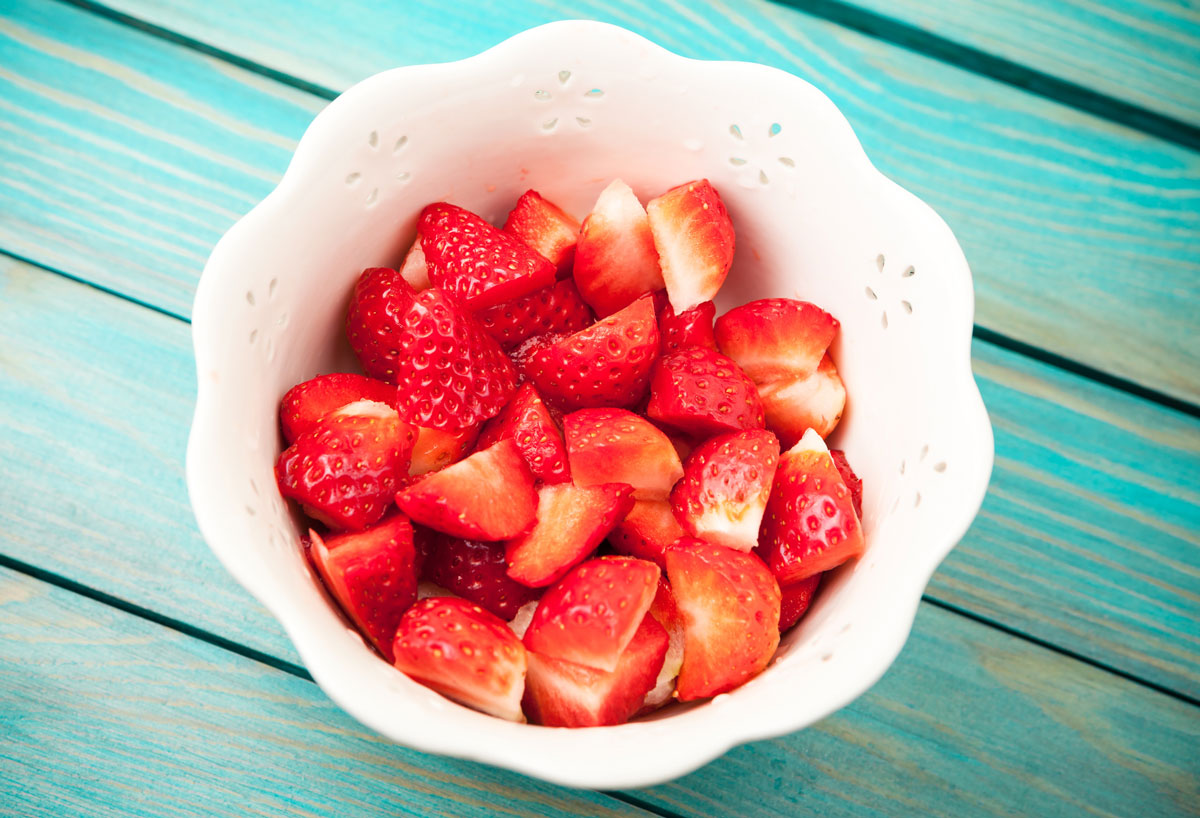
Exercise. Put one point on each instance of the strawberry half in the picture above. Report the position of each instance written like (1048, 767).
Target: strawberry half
(544, 227)
(703, 393)
(572, 520)
(615, 260)
(725, 486)
(647, 531)
(810, 525)
(795, 600)
(345, 471)
(776, 337)
(693, 328)
(487, 496)
(792, 407)
(607, 364)
(729, 603)
(476, 264)
(437, 448)
(528, 423)
(463, 652)
(851, 479)
(557, 308)
(372, 574)
(617, 446)
(476, 571)
(307, 403)
(565, 694)
(695, 242)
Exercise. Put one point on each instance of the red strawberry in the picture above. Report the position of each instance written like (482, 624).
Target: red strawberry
(544, 227)
(730, 607)
(372, 574)
(451, 374)
(647, 531)
(476, 571)
(565, 694)
(695, 242)
(792, 407)
(557, 308)
(488, 496)
(701, 392)
(725, 486)
(667, 613)
(693, 328)
(607, 364)
(522, 354)
(307, 403)
(528, 423)
(795, 600)
(437, 448)
(345, 471)
(478, 265)
(463, 652)
(615, 261)
(414, 270)
(849, 477)
(617, 446)
(572, 520)
(776, 337)
(810, 525)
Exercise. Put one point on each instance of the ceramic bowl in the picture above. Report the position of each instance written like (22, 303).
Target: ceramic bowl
(565, 108)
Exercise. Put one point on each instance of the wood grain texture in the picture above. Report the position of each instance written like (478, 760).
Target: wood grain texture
(105, 713)
(128, 155)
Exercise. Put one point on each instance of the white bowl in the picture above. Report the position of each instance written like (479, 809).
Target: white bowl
(565, 108)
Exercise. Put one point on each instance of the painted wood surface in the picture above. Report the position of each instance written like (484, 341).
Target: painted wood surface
(112, 715)
(128, 155)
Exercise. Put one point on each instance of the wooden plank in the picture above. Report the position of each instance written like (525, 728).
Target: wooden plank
(127, 155)
(106, 710)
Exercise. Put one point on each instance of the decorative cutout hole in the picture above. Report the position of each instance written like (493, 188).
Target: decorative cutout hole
(737, 161)
(736, 132)
(774, 129)
(353, 178)
(373, 196)
(253, 486)
(540, 94)
(909, 272)
(939, 467)
(907, 307)
(787, 161)
(883, 319)
(826, 657)
(373, 139)
(595, 92)
(563, 76)
(250, 510)
(762, 176)
(549, 124)
(282, 320)
(250, 298)
(271, 288)
(253, 335)
(403, 176)
(400, 143)
(583, 121)
(880, 261)
(871, 294)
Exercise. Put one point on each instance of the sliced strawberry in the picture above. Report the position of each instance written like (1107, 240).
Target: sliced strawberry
(544, 227)
(695, 242)
(647, 531)
(307, 403)
(488, 496)
(666, 612)
(795, 600)
(810, 525)
(522, 354)
(730, 607)
(776, 337)
(565, 694)
(693, 328)
(528, 423)
(725, 486)
(791, 408)
(557, 308)
(617, 446)
(345, 471)
(607, 364)
(372, 574)
(414, 270)
(572, 520)
(476, 571)
(463, 652)
(476, 264)
(849, 477)
(702, 393)
(437, 448)
(615, 261)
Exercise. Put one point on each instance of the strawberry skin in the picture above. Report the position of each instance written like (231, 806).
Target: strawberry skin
(647, 531)
(463, 652)
(615, 260)
(572, 520)
(557, 308)
(307, 403)
(695, 242)
(591, 614)
(725, 486)
(729, 603)
(345, 471)
(776, 337)
(795, 600)
(487, 496)
(544, 227)
(528, 423)
(476, 571)
(792, 407)
(810, 525)
(372, 574)
(476, 264)
(852, 480)
(701, 392)
(523, 353)
(617, 446)
(693, 328)
(607, 364)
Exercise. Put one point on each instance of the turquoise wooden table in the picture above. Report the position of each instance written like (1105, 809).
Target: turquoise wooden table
(1054, 668)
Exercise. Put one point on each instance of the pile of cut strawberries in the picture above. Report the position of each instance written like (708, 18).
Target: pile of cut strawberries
(557, 493)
